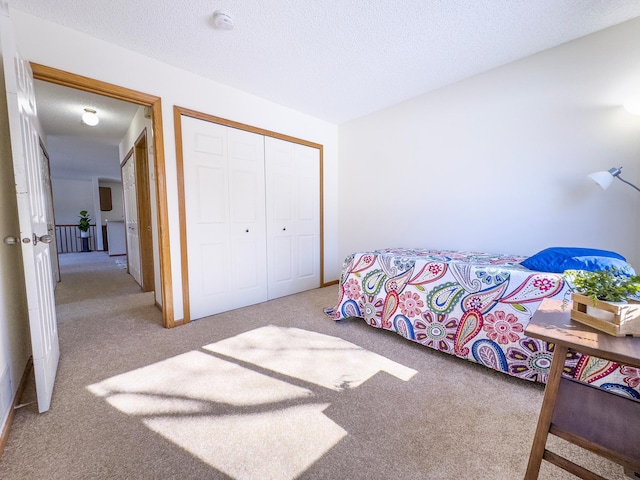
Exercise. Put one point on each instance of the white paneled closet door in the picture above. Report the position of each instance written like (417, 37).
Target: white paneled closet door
(247, 217)
(224, 203)
(293, 217)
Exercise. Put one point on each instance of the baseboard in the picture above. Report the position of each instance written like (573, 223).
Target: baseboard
(630, 473)
(328, 284)
(23, 384)
(179, 323)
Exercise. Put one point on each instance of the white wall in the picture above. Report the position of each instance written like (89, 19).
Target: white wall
(116, 212)
(69, 197)
(498, 162)
(46, 43)
(117, 207)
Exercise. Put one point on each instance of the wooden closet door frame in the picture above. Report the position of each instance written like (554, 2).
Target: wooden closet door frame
(79, 82)
(178, 112)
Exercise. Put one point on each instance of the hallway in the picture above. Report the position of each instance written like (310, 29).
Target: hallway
(93, 275)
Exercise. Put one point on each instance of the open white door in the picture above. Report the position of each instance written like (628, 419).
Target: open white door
(32, 212)
(132, 229)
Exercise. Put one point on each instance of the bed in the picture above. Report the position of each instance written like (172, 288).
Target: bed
(471, 305)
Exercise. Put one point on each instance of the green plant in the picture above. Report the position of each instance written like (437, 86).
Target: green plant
(612, 285)
(85, 221)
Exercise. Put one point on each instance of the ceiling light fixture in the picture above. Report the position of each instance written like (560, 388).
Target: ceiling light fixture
(90, 118)
(222, 20)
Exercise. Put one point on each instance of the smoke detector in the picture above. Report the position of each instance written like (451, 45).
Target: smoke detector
(222, 20)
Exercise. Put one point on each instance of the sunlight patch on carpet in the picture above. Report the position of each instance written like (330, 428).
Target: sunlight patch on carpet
(246, 423)
(278, 445)
(192, 382)
(330, 362)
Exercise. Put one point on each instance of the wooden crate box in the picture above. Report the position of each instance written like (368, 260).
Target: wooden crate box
(622, 318)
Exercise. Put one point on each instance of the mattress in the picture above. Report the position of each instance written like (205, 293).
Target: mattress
(472, 305)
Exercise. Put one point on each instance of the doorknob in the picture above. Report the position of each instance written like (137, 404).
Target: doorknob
(11, 240)
(43, 239)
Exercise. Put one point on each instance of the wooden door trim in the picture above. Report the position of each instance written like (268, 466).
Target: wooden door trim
(181, 111)
(61, 77)
(143, 197)
(182, 212)
(243, 126)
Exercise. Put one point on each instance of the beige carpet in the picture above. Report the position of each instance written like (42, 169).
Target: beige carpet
(272, 391)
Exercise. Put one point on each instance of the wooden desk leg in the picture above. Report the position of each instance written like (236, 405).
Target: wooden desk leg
(546, 412)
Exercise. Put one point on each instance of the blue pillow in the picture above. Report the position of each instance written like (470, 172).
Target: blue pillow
(559, 259)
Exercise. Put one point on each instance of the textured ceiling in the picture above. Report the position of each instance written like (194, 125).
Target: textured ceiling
(336, 60)
(333, 59)
(76, 150)
(60, 109)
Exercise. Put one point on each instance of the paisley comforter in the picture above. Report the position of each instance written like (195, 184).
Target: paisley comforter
(471, 305)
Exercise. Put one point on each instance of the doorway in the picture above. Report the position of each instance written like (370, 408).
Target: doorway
(152, 106)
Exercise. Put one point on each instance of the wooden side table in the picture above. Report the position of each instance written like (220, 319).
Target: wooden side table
(602, 422)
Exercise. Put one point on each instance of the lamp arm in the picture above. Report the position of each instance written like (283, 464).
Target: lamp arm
(628, 183)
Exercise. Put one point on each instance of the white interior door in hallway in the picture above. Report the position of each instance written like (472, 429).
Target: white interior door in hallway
(128, 170)
(246, 211)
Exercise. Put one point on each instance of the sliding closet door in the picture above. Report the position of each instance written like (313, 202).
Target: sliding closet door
(293, 217)
(224, 203)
